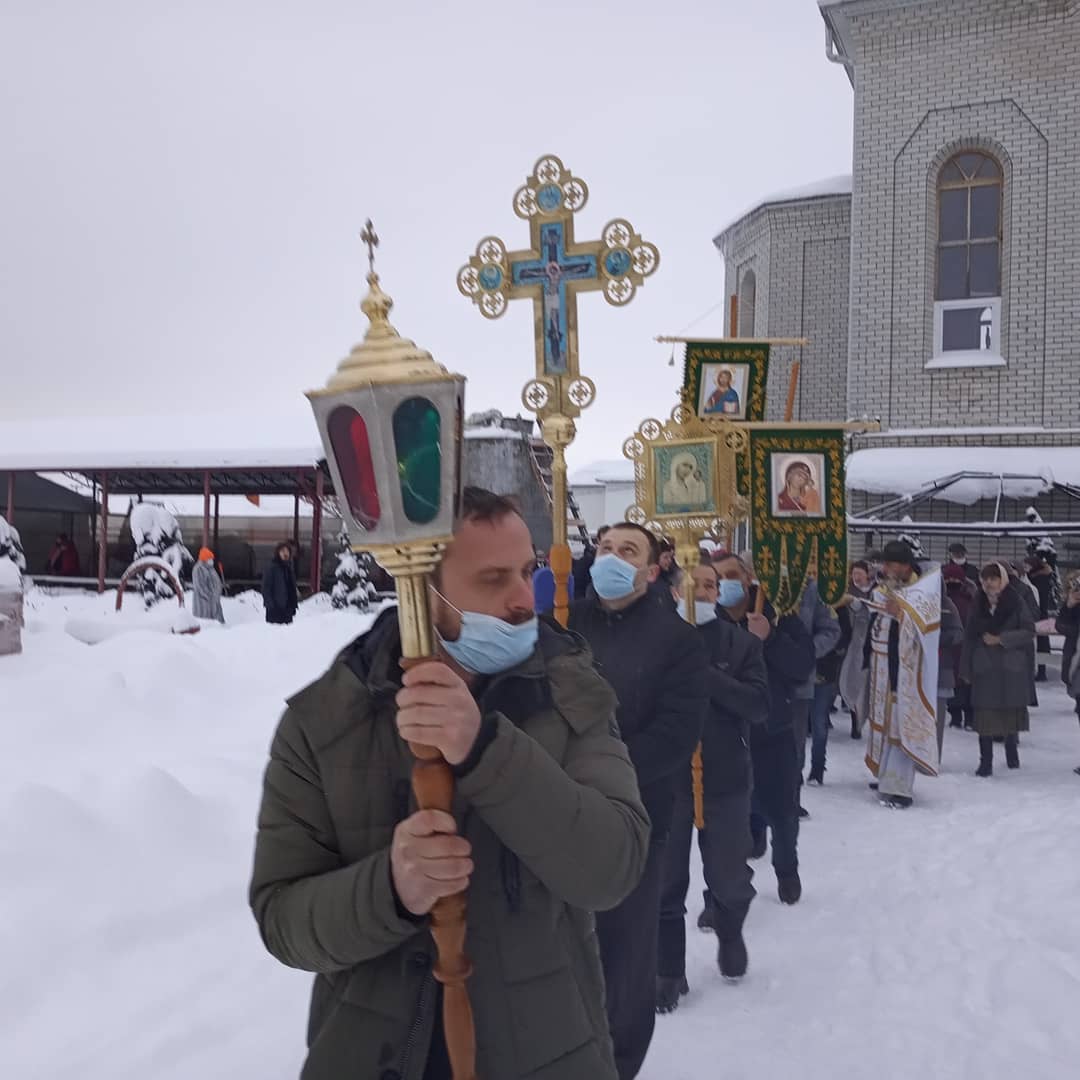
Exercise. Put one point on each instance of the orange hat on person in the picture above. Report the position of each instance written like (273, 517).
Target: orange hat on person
(205, 555)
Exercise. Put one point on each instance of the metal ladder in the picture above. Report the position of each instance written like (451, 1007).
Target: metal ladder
(541, 456)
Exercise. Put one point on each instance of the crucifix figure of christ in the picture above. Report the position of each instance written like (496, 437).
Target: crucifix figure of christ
(550, 273)
(555, 268)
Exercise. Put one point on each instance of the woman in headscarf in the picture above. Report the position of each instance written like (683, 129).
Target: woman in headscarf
(996, 662)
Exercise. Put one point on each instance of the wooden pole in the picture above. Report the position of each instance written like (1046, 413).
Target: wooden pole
(733, 328)
(793, 386)
(433, 786)
(217, 523)
(558, 433)
(206, 508)
(103, 546)
(316, 534)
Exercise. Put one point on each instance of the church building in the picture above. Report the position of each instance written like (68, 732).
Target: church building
(939, 282)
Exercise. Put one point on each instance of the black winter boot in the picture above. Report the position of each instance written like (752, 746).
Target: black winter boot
(1040, 675)
(789, 889)
(668, 991)
(732, 957)
(855, 732)
(1012, 751)
(759, 844)
(986, 756)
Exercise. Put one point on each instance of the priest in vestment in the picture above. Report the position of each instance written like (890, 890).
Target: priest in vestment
(902, 660)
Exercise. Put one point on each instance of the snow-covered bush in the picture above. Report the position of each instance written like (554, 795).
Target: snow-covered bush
(12, 566)
(157, 536)
(11, 545)
(352, 586)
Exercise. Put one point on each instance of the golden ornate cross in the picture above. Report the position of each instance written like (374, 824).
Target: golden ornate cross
(371, 238)
(552, 272)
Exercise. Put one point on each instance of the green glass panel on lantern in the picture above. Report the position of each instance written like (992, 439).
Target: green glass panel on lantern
(417, 434)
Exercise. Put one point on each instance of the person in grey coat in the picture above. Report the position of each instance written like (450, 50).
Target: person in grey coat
(997, 662)
(853, 673)
(952, 635)
(206, 584)
(823, 626)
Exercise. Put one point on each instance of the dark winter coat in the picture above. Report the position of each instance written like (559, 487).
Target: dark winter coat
(279, 591)
(1068, 625)
(552, 811)
(829, 665)
(1000, 675)
(738, 701)
(950, 639)
(655, 663)
(1043, 580)
(789, 662)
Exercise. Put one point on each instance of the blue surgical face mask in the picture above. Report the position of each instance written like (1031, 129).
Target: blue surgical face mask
(730, 592)
(488, 645)
(704, 611)
(613, 578)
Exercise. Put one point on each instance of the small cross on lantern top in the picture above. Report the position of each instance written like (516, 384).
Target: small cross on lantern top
(371, 238)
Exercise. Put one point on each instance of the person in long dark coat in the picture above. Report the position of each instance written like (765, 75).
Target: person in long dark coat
(1068, 625)
(279, 587)
(962, 592)
(1041, 575)
(996, 662)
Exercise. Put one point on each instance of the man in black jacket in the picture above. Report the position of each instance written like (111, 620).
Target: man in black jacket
(738, 699)
(656, 664)
(789, 660)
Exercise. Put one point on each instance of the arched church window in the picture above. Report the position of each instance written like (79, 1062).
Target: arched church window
(967, 286)
(747, 304)
(969, 228)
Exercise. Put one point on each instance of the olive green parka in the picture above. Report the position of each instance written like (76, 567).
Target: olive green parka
(558, 830)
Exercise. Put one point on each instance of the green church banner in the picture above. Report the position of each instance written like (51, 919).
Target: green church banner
(798, 513)
(725, 380)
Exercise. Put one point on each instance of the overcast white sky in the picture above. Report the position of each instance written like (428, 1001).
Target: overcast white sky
(182, 185)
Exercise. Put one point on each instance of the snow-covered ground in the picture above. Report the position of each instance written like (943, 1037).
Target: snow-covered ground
(941, 942)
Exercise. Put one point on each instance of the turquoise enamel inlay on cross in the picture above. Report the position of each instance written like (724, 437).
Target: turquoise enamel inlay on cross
(554, 270)
(551, 272)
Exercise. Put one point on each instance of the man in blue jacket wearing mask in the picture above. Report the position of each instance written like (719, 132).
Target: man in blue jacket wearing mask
(738, 699)
(656, 664)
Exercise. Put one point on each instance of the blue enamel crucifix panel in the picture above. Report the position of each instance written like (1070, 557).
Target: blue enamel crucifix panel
(553, 271)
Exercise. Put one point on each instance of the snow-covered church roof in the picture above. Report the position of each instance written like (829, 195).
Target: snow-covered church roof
(828, 187)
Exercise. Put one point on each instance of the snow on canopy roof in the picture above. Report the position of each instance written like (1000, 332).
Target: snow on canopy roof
(1028, 470)
(492, 433)
(620, 471)
(56, 444)
(819, 189)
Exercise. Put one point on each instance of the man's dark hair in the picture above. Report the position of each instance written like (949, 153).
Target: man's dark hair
(861, 564)
(654, 543)
(957, 549)
(602, 532)
(479, 504)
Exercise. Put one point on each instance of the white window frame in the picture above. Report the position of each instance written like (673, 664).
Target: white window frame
(967, 358)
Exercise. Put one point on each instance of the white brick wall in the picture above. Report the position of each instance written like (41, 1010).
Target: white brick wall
(800, 253)
(931, 80)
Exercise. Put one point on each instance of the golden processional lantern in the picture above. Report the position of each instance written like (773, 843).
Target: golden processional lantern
(390, 420)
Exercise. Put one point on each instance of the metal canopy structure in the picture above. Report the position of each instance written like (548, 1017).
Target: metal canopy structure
(307, 481)
(895, 515)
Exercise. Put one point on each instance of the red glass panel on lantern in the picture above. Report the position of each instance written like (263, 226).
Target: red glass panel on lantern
(352, 452)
